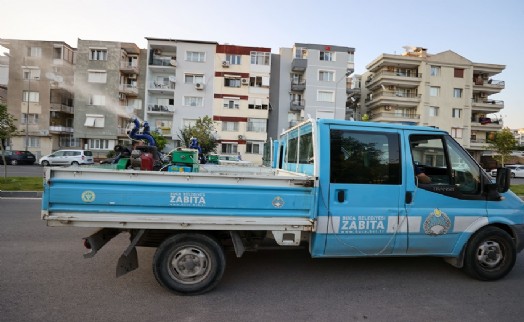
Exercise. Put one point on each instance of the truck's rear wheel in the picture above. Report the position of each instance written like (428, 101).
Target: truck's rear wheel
(189, 263)
(490, 254)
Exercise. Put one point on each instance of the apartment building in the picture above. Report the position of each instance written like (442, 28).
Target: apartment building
(107, 93)
(40, 94)
(179, 85)
(444, 90)
(241, 100)
(308, 80)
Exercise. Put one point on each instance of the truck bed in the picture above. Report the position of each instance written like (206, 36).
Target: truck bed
(218, 198)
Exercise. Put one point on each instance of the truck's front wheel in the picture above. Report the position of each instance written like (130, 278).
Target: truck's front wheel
(189, 263)
(490, 254)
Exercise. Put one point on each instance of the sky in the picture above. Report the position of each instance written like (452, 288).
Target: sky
(480, 30)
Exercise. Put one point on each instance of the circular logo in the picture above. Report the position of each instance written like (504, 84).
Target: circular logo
(437, 223)
(88, 196)
(278, 202)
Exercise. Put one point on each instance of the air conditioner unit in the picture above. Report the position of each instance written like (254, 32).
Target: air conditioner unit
(199, 86)
(240, 137)
(225, 63)
(245, 81)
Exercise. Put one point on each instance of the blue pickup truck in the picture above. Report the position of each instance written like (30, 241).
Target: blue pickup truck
(340, 188)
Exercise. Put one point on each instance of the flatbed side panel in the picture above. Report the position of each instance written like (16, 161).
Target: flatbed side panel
(80, 195)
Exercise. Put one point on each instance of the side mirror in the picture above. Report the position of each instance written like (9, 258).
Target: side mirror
(503, 179)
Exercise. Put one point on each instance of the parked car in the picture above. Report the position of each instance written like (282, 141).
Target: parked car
(517, 171)
(67, 157)
(17, 157)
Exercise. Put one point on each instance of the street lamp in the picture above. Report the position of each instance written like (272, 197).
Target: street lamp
(336, 87)
(27, 113)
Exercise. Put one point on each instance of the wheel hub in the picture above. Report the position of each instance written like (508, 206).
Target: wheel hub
(189, 265)
(490, 254)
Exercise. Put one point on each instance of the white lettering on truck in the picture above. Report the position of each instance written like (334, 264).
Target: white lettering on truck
(187, 199)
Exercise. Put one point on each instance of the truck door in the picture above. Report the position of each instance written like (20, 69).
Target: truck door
(366, 194)
(448, 205)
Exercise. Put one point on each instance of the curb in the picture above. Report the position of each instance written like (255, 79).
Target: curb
(20, 194)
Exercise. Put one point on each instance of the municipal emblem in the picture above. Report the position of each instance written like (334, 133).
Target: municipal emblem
(88, 196)
(437, 223)
(278, 202)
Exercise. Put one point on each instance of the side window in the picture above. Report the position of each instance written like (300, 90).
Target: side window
(439, 160)
(365, 157)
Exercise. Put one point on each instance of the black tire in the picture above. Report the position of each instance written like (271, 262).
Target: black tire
(14, 162)
(75, 163)
(490, 254)
(45, 163)
(189, 263)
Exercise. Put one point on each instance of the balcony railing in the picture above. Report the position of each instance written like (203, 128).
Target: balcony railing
(161, 108)
(129, 67)
(163, 61)
(297, 105)
(489, 83)
(393, 115)
(155, 85)
(298, 85)
(488, 101)
(381, 74)
(299, 64)
(128, 89)
(57, 107)
(60, 129)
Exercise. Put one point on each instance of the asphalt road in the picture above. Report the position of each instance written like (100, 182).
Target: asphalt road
(43, 277)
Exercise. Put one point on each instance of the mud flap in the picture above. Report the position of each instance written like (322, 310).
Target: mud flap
(128, 261)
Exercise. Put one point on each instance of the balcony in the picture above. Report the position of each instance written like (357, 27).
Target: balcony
(298, 85)
(398, 98)
(156, 86)
(128, 89)
(297, 105)
(487, 105)
(161, 109)
(488, 85)
(299, 64)
(392, 117)
(128, 68)
(478, 143)
(403, 79)
(57, 107)
(163, 61)
(486, 124)
(60, 129)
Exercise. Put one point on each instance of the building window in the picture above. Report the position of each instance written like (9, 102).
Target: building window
(254, 147)
(260, 58)
(97, 77)
(229, 126)
(33, 119)
(33, 97)
(435, 71)
(232, 103)
(193, 101)
(256, 125)
(456, 113)
(258, 104)
(229, 148)
(97, 100)
(458, 72)
(232, 82)
(259, 81)
(196, 56)
(193, 78)
(33, 142)
(34, 51)
(457, 92)
(434, 91)
(325, 96)
(98, 144)
(456, 132)
(326, 76)
(98, 54)
(351, 57)
(31, 74)
(433, 111)
(94, 120)
(67, 141)
(233, 59)
(327, 56)
(189, 123)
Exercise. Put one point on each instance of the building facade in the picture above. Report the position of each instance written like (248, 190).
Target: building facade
(444, 90)
(308, 80)
(107, 78)
(40, 94)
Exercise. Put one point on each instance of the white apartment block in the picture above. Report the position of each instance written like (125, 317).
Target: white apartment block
(308, 80)
(444, 90)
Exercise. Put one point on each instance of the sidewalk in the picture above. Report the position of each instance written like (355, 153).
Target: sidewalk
(20, 194)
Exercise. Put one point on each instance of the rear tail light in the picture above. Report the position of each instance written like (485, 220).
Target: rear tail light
(83, 157)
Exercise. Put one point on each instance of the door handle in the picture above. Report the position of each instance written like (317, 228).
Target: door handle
(409, 197)
(341, 196)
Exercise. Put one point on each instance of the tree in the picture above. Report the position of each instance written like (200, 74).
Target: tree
(503, 143)
(7, 130)
(160, 140)
(203, 130)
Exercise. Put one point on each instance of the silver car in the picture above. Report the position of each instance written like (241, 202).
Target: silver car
(67, 157)
(517, 171)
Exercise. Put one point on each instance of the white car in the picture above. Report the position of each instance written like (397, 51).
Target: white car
(517, 171)
(67, 157)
